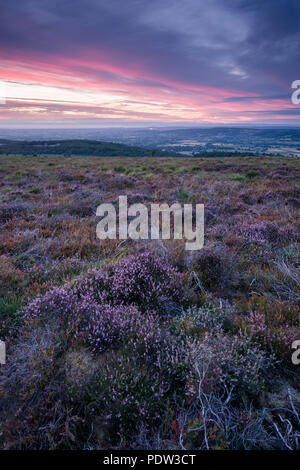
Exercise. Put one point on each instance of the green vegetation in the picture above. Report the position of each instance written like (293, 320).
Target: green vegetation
(75, 148)
(142, 344)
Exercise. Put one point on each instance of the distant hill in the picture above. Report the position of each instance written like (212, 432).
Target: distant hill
(77, 148)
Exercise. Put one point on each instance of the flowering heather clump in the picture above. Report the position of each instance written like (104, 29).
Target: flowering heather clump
(123, 182)
(127, 396)
(264, 231)
(134, 198)
(214, 268)
(138, 379)
(63, 176)
(232, 360)
(145, 277)
(267, 232)
(104, 326)
(58, 302)
(81, 209)
(100, 325)
(111, 346)
(274, 336)
(99, 308)
(247, 197)
(138, 279)
(196, 320)
(219, 231)
(56, 271)
(210, 266)
(7, 211)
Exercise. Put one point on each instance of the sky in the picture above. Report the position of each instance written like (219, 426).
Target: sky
(94, 63)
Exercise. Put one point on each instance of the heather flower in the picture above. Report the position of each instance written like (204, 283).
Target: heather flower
(7, 211)
(104, 326)
(267, 232)
(196, 320)
(144, 278)
(58, 302)
(235, 361)
(274, 337)
(140, 279)
(101, 309)
(81, 209)
(118, 358)
(127, 395)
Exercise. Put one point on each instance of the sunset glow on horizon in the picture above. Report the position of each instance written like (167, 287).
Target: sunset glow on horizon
(157, 62)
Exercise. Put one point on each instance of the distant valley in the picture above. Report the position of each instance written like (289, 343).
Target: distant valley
(165, 141)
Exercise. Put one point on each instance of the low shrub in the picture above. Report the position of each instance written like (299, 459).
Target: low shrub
(221, 360)
(197, 320)
(266, 231)
(125, 396)
(215, 269)
(8, 211)
(138, 279)
(81, 209)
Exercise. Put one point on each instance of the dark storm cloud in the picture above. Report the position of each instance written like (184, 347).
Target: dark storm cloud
(245, 46)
